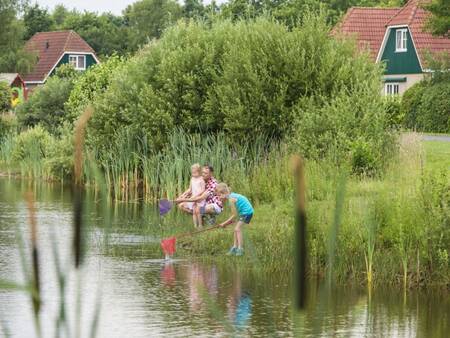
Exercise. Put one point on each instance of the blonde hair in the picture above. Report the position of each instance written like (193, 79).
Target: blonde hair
(222, 188)
(196, 167)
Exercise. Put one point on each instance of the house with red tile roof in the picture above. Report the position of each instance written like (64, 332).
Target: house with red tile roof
(396, 37)
(54, 49)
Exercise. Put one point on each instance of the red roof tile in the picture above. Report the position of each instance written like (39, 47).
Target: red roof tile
(49, 47)
(369, 26)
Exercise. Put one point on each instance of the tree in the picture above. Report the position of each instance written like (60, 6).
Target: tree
(5, 97)
(105, 33)
(37, 19)
(12, 56)
(193, 8)
(439, 22)
(146, 19)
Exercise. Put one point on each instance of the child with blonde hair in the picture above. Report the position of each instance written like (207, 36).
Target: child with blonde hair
(242, 212)
(196, 188)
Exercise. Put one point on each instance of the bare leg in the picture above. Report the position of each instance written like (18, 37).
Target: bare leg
(238, 234)
(199, 216)
(194, 214)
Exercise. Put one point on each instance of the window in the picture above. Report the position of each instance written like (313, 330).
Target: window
(400, 40)
(391, 88)
(78, 61)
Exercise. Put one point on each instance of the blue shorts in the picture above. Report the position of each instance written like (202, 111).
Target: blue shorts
(245, 218)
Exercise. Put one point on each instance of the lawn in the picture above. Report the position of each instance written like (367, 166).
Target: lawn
(437, 154)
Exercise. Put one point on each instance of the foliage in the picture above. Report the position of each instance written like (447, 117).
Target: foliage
(393, 108)
(5, 97)
(89, 85)
(45, 106)
(8, 125)
(105, 33)
(33, 143)
(36, 19)
(247, 78)
(13, 58)
(147, 19)
(426, 105)
(439, 21)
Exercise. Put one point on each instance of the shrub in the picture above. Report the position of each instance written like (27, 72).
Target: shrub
(89, 85)
(248, 78)
(45, 106)
(5, 97)
(33, 144)
(8, 124)
(426, 106)
(394, 113)
(434, 108)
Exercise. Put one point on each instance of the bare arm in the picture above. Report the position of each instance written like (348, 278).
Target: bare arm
(233, 214)
(197, 198)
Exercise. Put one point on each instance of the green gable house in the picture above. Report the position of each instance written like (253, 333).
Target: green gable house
(397, 38)
(54, 49)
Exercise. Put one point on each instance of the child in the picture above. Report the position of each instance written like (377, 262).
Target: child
(197, 187)
(242, 210)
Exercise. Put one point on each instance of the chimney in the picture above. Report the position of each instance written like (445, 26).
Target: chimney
(47, 44)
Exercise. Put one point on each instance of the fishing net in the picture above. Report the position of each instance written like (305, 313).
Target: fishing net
(168, 245)
(164, 207)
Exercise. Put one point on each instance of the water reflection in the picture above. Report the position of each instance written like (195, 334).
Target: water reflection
(143, 296)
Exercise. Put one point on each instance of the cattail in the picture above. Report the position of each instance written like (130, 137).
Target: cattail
(80, 127)
(34, 252)
(300, 232)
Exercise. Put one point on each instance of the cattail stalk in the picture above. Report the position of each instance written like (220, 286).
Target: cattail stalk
(35, 296)
(80, 128)
(300, 233)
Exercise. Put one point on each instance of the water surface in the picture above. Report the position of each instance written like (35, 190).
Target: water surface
(141, 295)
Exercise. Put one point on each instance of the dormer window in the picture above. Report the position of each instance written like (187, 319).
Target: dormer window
(78, 61)
(400, 40)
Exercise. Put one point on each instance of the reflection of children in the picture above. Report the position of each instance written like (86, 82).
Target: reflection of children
(168, 274)
(243, 311)
(242, 209)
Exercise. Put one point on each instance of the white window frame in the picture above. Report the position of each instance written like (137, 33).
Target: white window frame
(401, 37)
(74, 60)
(392, 88)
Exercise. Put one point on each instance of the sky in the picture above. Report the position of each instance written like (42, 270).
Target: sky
(114, 6)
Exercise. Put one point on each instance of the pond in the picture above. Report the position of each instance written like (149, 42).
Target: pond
(141, 295)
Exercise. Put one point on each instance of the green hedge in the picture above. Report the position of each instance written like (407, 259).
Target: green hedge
(426, 106)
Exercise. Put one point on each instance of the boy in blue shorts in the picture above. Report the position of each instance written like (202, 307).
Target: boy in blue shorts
(241, 209)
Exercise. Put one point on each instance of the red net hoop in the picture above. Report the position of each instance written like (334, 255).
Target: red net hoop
(168, 245)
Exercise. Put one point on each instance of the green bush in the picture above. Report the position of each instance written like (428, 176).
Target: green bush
(248, 78)
(32, 144)
(45, 106)
(426, 106)
(394, 113)
(8, 124)
(5, 97)
(89, 85)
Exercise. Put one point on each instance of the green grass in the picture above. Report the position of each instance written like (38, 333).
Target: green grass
(437, 154)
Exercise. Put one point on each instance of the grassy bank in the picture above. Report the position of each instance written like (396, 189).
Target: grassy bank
(393, 230)
(394, 226)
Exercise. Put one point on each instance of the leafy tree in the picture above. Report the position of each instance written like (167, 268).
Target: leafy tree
(146, 19)
(439, 22)
(37, 19)
(105, 33)
(59, 14)
(249, 78)
(5, 97)
(13, 58)
(45, 106)
(193, 8)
